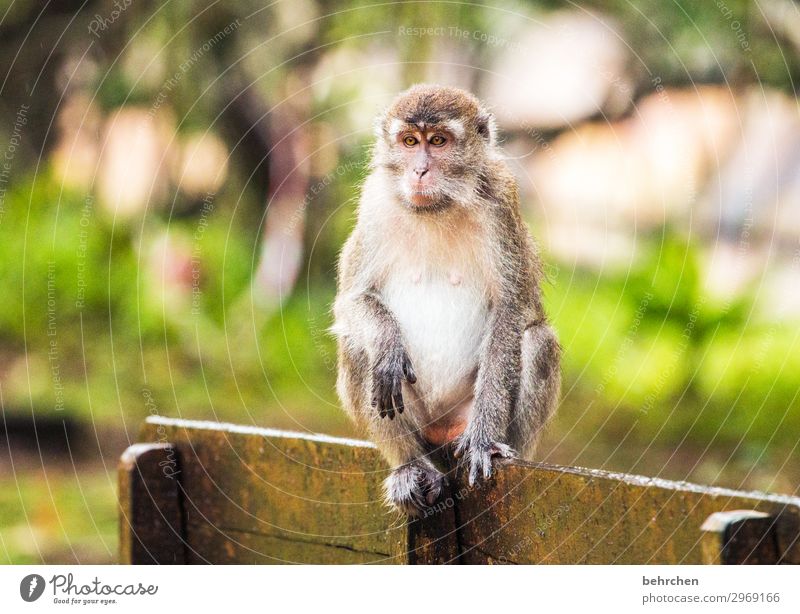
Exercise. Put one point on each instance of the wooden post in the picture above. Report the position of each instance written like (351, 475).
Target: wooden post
(787, 536)
(151, 519)
(739, 537)
(433, 539)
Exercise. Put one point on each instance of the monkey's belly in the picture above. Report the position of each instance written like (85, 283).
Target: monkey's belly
(449, 426)
(443, 325)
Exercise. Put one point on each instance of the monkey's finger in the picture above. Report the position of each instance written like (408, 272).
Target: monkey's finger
(376, 402)
(408, 372)
(386, 401)
(376, 391)
(397, 397)
(397, 403)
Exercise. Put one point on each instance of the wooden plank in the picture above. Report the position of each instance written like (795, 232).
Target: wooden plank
(260, 495)
(229, 546)
(537, 513)
(151, 520)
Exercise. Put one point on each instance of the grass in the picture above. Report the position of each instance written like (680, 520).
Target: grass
(58, 516)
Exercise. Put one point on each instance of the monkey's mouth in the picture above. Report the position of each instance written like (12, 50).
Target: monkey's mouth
(422, 198)
(429, 203)
(421, 195)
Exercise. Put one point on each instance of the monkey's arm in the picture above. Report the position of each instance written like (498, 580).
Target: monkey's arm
(497, 381)
(515, 304)
(361, 315)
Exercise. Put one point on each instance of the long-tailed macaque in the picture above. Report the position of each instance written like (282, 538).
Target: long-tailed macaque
(443, 341)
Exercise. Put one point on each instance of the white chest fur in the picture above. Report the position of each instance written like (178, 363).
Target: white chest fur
(437, 291)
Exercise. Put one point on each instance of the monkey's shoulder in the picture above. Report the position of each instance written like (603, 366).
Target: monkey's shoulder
(498, 184)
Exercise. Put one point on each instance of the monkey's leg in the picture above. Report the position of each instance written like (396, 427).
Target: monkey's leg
(414, 483)
(539, 388)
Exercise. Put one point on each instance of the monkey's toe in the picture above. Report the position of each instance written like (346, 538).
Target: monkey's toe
(414, 487)
(481, 457)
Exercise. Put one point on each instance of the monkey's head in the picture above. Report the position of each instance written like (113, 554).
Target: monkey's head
(435, 142)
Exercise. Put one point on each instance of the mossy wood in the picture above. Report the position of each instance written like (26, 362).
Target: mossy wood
(202, 492)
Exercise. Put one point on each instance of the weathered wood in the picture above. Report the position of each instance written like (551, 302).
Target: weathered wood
(787, 535)
(230, 546)
(433, 539)
(260, 495)
(253, 495)
(151, 520)
(740, 537)
(537, 513)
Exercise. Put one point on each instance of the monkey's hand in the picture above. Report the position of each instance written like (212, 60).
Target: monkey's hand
(478, 452)
(388, 373)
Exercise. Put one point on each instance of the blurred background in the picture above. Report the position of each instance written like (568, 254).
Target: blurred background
(176, 180)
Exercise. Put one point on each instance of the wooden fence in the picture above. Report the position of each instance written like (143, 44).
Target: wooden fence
(203, 492)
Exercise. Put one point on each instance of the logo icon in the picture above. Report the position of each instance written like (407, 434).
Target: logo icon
(31, 587)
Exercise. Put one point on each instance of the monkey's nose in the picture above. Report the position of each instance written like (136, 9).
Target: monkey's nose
(420, 172)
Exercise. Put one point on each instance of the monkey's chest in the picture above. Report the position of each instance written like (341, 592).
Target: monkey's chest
(443, 317)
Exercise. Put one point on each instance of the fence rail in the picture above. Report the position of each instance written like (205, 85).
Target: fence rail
(204, 492)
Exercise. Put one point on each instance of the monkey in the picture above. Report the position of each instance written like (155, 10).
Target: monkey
(444, 348)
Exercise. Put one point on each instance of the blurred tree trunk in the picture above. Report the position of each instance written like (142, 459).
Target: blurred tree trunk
(282, 248)
(35, 40)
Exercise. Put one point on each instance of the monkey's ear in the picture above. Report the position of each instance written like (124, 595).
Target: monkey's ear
(487, 127)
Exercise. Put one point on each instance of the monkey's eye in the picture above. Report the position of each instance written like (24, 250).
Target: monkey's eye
(410, 141)
(438, 140)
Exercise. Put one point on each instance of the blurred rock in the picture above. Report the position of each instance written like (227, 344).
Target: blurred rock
(633, 175)
(203, 164)
(363, 80)
(144, 63)
(566, 67)
(729, 269)
(778, 296)
(171, 270)
(598, 248)
(757, 189)
(134, 161)
(75, 154)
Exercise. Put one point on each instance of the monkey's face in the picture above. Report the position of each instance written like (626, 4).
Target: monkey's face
(435, 142)
(427, 165)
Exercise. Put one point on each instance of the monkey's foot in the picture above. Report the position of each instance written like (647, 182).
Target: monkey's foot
(480, 455)
(413, 487)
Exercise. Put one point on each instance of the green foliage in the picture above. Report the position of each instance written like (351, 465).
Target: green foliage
(671, 361)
